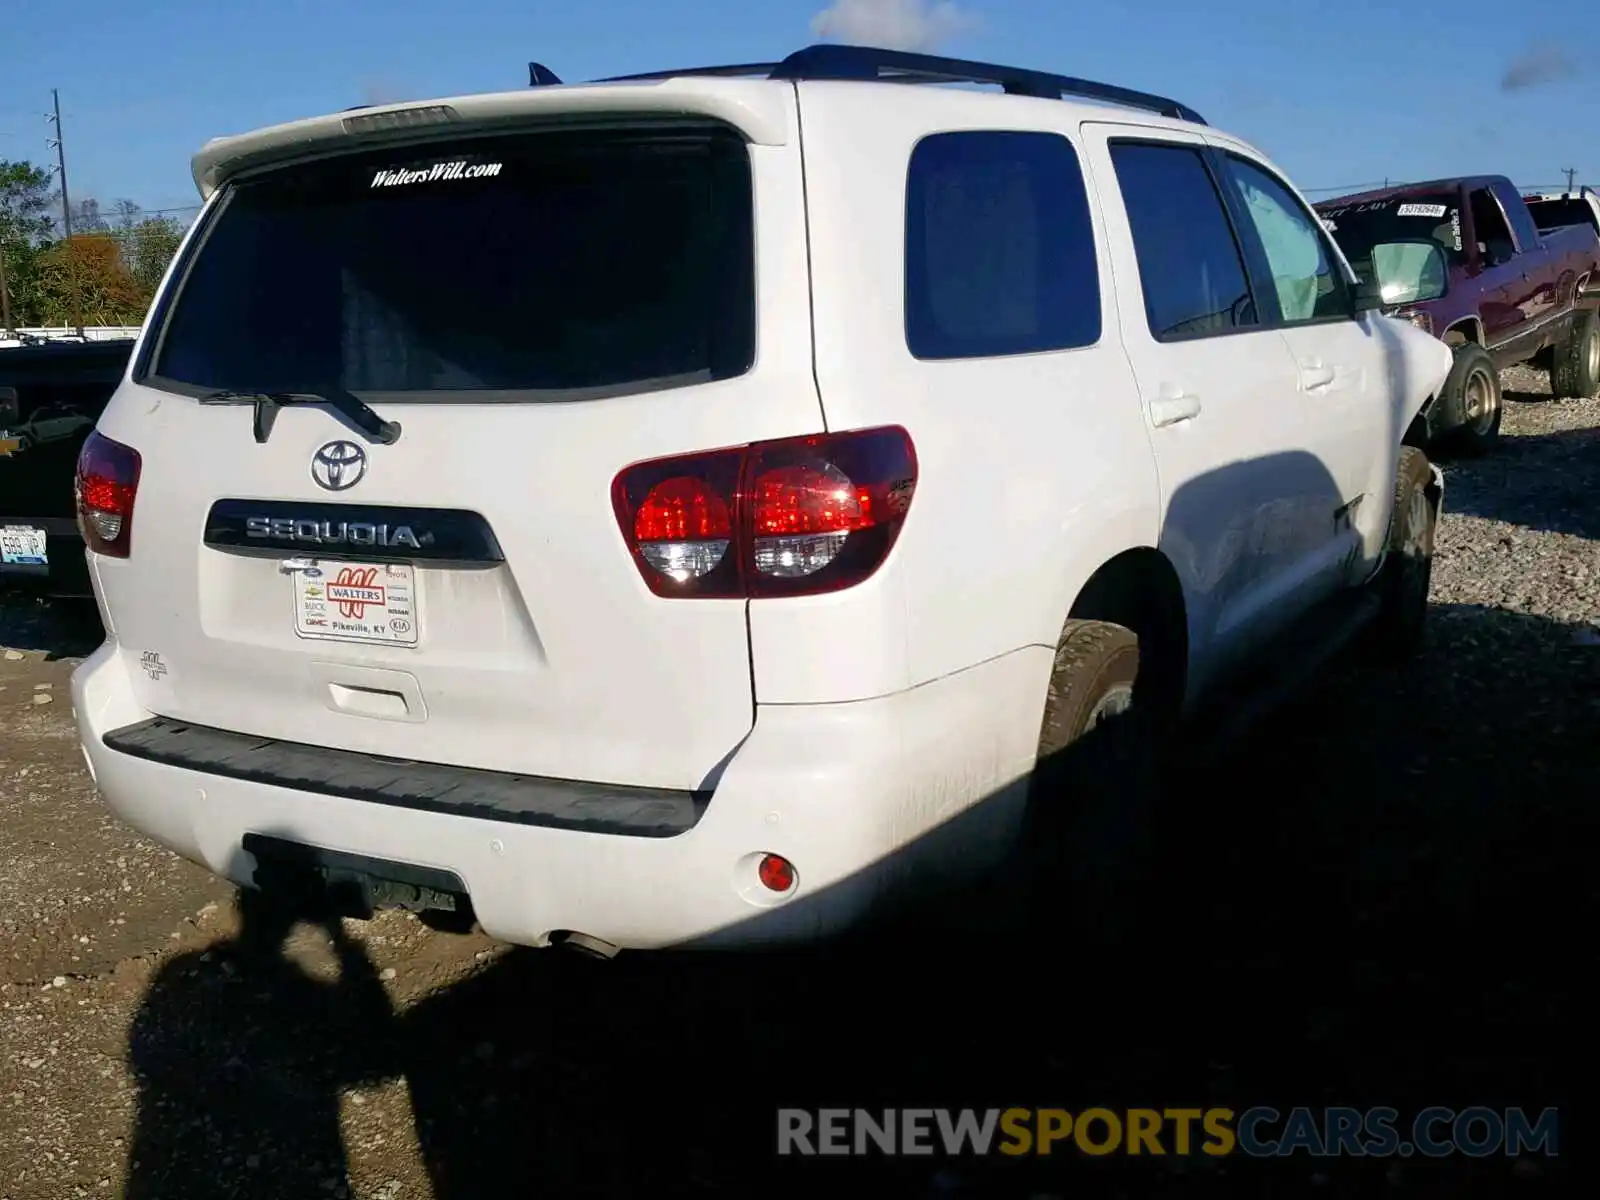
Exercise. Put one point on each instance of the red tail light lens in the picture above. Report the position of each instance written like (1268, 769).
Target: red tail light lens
(683, 528)
(796, 517)
(107, 481)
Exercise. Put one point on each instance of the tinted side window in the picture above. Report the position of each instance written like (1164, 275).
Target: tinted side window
(1489, 223)
(1309, 286)
(1189, 263)
(1000, 255)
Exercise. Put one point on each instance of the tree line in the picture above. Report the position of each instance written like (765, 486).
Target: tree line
(106, 273)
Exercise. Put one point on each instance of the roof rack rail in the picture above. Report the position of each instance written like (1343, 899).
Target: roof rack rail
(742, 70)
(836, 62)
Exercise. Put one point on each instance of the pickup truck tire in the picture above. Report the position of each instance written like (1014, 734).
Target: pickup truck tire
(1575, 367)
(1471, 398)
(1399, 631)
(1089, 834)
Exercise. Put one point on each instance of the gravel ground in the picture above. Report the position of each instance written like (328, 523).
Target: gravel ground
(1370, 906)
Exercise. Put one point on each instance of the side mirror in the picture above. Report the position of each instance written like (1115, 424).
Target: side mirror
(1410, 272)
(10, 407)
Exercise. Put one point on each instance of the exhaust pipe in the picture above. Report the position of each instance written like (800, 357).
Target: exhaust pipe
(582, 943)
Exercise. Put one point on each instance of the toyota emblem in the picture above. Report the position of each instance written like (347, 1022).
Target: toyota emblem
(338, 466)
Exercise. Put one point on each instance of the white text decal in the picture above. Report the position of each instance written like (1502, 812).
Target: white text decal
(437, 173)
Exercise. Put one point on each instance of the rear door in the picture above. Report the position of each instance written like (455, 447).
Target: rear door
(537, 310)
(1218, 386)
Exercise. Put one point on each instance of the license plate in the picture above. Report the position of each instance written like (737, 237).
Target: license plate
(356, 602)
(23, 546)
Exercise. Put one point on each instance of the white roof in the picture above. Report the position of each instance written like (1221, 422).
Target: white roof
(761, 109)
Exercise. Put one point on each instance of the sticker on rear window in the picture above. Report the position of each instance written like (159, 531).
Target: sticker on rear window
(1421, 210)
(437, 173)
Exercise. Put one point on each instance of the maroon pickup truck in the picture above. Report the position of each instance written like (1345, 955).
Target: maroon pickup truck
(1465, 260)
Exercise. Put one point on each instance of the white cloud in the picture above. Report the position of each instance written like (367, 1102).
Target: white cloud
(892, 24)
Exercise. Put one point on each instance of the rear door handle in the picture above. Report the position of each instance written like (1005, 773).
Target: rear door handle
(1172, 406)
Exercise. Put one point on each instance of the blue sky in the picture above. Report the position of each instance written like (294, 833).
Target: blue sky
(1337, 94)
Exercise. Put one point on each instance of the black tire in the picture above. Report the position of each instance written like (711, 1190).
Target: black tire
(1400, 630)
(1471, 398)
(1090, 830)
(1575, 368)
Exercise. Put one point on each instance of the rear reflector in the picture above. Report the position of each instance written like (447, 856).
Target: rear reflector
(107, 481)
(776, 873)
(796, 517)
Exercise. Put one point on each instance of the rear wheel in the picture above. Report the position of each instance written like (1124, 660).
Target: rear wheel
(1472, 394)
(1090, 830)
(1575, 368)
(1407, 572)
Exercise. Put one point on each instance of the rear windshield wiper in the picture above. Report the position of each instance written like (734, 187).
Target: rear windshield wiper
(267, 405)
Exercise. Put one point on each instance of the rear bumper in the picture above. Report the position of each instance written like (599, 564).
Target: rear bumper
(870, 800)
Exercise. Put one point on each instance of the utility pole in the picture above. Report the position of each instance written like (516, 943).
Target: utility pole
(1569, 173)
(59, 146)
(66, 203)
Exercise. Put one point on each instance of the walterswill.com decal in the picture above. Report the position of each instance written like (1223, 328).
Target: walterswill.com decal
(438, 173)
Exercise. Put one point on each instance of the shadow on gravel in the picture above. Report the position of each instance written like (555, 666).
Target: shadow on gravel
(1365, 905)
(1544, 481)
(59, 628)
(240, 1057)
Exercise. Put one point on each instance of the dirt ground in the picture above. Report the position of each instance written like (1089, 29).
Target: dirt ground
(1384, 897)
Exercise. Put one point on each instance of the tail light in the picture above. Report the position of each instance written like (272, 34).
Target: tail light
(108, 478)
(788, 518)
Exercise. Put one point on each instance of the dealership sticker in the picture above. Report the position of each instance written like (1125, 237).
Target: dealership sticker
(1421, 210)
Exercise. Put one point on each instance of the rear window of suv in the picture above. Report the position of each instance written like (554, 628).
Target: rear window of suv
(552, 265)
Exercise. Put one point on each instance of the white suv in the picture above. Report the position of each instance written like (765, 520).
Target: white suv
(682, 510)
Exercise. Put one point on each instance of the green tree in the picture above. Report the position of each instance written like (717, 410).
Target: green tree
(26, 224)
(84, 280)
(107, 274)
(26, 199)
(125, 214)
(87, 217)
(150, 246)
